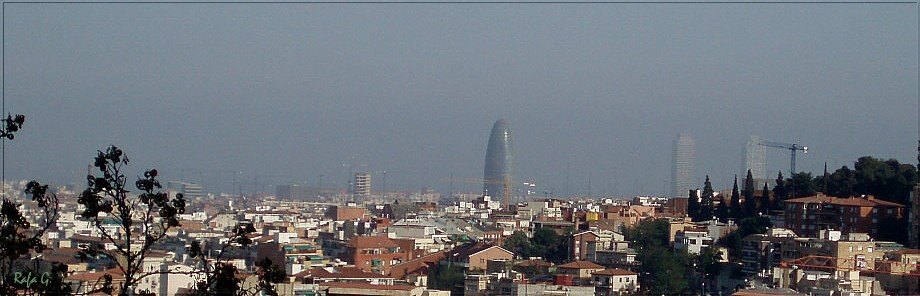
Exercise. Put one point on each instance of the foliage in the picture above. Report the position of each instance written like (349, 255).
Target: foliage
(269, 274)
(107, 198)
(693, 206)
(662, 271)
(750, 207)
(780, 191)
(735, 211)
(648, 233)
(706, 204)
(803, 184)
(447, 277)
(764, 200)
(747, 226)
(19, 237)
(545, 244)
(220, 275)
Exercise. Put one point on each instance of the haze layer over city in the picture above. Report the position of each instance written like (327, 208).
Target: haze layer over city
(302, 93)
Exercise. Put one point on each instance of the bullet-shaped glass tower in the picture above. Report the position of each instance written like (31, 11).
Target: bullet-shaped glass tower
(499, 159)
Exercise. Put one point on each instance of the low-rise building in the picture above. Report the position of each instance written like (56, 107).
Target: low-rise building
(615, 282)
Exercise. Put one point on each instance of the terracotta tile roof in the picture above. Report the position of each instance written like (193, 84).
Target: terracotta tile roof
(93, 276)
(906, 252)
(339, 273)
(868, 201)
(368, 286)
(615, 272)
(465, 251)
(365, 242)
(581, 264)
(62, 255)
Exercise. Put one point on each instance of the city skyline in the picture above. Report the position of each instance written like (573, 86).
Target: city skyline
(594, 92)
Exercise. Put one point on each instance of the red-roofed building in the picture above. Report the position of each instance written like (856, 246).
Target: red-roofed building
(342, 274)
(375, 253)
(477, 256)
(338, 288)
(807, 215)
(579, 269)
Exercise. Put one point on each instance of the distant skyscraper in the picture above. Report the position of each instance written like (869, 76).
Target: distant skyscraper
(499, 160)
(362, 184)
(682, 166)
(755, 158)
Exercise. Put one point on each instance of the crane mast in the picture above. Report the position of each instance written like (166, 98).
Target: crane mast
(792, 149)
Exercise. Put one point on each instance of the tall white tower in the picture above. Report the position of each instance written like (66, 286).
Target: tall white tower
(683, 166)
(755, 158)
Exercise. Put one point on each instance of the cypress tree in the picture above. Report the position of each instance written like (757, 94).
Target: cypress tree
(693, 206)
(750, 206)
(736, 201)
(706, 208)
(765, 206)
(780, 192)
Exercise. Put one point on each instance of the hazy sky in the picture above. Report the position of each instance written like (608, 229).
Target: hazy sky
(292, 91)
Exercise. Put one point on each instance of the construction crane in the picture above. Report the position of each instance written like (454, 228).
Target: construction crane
(505, 182)
(791, 147)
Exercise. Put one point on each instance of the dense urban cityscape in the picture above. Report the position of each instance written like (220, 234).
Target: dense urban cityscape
(847, 232)
(478, 148)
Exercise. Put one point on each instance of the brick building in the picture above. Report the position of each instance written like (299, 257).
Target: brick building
(375, 253)
(807, 215)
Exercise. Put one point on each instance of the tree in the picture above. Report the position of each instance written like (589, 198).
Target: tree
(693, 206)
(803, 184)
(219, 274)
(519, 244)
(888, 180)
(780, 191)
(765, 199)
(736, 200)
(706, 207)
(107, 201)
(447, 277)
(662, 270)
(750, 207)
(746, 226)
(841, 183)
(19, 239)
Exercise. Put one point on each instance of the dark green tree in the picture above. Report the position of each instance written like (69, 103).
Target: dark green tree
(746, 226)
(780, 191)
(693, 206)
(764, 200)
(887, 180)
(661, 270)
(108, 200)
(803, 184)
(750, 207)
(736, 200)
(722, 210)
(706, 205)
(519, 244)
(447, 277)
(841, 183)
